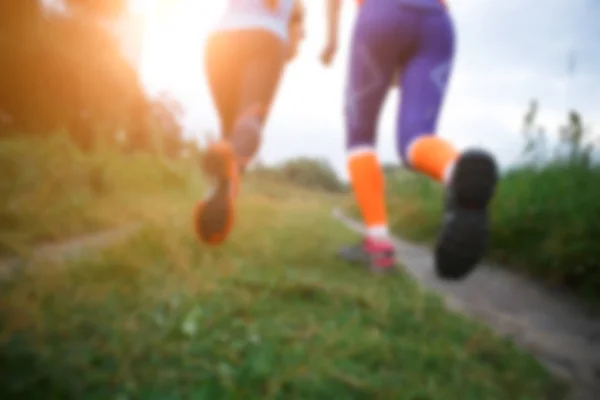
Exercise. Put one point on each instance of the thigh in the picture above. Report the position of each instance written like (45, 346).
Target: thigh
(377, 47)
(260, 73)
(221, 63)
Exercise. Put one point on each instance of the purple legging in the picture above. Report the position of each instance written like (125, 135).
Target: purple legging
(389, 37)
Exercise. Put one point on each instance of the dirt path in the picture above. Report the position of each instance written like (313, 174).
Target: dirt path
(68, 250)
(552, 326)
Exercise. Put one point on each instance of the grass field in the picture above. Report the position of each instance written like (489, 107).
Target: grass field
(270, 315)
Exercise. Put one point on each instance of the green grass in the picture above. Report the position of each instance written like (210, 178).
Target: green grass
(547, 221)
(50, 191)
(544, 221)
(270, 315)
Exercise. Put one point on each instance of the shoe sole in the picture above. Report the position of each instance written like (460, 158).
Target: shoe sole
(463, 240)
(214, 215)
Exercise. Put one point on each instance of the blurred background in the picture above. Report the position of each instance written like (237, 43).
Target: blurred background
(101, 67)
(105, 292)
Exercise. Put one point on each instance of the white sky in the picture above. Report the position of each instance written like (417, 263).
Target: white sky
(509, 52)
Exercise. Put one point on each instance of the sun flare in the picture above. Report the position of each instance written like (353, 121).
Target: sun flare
(173, 35)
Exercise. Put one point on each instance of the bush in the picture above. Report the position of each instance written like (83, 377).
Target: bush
(545, 221)
(305, 172)
(45, 85)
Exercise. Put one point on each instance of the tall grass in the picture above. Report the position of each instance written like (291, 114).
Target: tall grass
(50, 190)
(546, 223)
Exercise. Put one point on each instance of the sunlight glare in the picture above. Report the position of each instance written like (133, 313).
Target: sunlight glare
(173, 38)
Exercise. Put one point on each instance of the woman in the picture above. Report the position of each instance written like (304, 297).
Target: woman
(244, 60)
(416, 38)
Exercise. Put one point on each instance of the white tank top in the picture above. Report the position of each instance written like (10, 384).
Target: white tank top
(255, 14)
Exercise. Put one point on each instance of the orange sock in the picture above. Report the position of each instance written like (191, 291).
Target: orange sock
(432, 156)
(368, 184)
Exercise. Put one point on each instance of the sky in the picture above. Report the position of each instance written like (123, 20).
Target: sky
(508, 53)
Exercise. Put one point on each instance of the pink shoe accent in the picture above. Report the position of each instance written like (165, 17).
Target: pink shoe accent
(382, 252)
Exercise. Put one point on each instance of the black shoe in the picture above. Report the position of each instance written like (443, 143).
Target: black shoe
(464, 234)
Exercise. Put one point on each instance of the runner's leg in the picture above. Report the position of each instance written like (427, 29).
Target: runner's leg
(222, 64)
(424, 81)
(470, 177)
(213, 216)
(381, 38)
(243, 102)
(259, 81)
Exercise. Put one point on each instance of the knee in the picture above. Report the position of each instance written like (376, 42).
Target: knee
(246, 136)
(359, 135)
(403, 151)
(355, 141)
(405, 147)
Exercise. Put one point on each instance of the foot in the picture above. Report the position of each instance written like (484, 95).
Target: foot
(214, 215)
(464, 234)
(378, 255)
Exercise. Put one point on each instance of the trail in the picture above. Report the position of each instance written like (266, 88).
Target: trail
(64, 251)
(551, 325)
